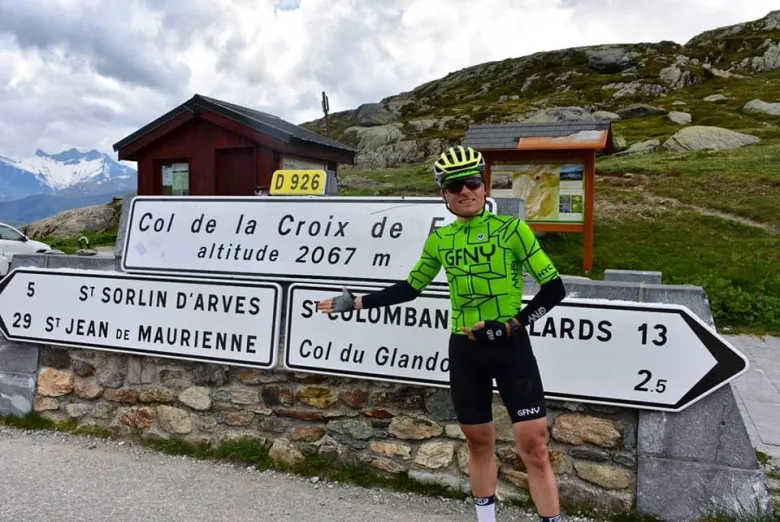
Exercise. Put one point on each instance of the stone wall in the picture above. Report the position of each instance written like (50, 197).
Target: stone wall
(389, 427)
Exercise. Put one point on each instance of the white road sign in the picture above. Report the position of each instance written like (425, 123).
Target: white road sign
(219, 321)
(640, 355)
(284, 238)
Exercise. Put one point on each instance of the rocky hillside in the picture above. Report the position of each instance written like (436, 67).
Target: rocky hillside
(728, 78)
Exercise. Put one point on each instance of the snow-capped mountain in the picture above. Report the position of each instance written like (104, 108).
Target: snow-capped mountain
(71, 172)
(45, 184)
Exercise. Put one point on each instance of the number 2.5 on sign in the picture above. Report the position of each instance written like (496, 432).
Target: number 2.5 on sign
(298, 182)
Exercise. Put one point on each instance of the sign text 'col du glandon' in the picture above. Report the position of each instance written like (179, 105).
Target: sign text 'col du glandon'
(211, 321)
(641, 355)
(286, 238)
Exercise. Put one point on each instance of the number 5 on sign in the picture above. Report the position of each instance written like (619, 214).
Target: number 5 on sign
(298, 182)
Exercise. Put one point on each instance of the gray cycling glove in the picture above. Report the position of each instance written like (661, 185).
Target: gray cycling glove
(344, 302)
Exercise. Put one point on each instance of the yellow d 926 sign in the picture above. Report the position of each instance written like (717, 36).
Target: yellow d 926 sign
(298, 182)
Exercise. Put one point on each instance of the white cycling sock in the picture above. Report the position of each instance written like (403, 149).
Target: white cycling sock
(486, 508)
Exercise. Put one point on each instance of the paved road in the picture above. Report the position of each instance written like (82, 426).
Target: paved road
(758, 391)
(49, 476)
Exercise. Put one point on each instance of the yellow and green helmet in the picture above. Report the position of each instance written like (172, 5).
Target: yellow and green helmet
(458, 162)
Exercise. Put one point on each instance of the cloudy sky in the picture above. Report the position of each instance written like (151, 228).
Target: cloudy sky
(85, 73)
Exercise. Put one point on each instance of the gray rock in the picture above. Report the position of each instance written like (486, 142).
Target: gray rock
(610, 59)
(704, 137)
(424, 124)
(641, 147)
(715, 98)
(370, 114)
(768, 61)
(680, 118)
(589, 453)
(54, 357)
(639, 110)
(606, 116)
(634, 88)
(675, 77)
(439, 405)
(371, 138)
(354, 428)
(402, 152)
(761, 107)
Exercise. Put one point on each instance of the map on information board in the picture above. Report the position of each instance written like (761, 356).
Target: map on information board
(552, 192)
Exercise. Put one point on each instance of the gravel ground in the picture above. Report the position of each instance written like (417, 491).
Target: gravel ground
(56, 476)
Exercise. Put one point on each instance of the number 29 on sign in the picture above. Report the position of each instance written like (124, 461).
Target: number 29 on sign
(298, 182)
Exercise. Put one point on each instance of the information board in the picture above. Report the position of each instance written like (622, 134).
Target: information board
(287, 238)
(222, 322)
(640, 355)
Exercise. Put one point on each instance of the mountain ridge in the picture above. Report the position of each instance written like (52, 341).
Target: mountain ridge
(43, 184)
(571, 84)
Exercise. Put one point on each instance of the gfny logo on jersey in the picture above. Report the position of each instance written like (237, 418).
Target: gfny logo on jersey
(470, 255)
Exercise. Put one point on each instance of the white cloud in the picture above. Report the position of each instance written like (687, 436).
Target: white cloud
(85, 73)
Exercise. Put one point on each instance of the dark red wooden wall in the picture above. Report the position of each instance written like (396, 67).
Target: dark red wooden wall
(220, 161)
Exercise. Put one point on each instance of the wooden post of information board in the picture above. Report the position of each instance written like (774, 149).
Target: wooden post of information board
(551, 166)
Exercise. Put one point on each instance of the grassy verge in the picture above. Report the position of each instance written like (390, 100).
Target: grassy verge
(744, 182)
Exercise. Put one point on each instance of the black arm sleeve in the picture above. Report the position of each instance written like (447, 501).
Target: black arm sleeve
(550, 294)
(400, 292)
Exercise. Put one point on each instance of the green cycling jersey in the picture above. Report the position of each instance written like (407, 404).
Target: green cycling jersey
(483, 259)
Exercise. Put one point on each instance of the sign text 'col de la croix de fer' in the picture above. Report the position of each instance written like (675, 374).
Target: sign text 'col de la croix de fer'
(284, 238)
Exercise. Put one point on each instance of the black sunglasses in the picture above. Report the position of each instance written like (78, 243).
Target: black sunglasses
(456, 186)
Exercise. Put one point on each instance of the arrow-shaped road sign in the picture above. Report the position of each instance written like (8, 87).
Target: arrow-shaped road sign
(221, 321)
(637, 355)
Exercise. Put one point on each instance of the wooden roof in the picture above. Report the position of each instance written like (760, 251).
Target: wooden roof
(589, 135)
(262, 122)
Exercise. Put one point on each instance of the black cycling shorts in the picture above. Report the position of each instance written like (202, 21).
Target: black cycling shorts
(474, 365)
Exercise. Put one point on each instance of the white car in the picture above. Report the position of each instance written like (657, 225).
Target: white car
(4, 264)
(14, 242)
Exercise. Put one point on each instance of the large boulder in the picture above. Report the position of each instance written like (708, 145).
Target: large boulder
(400, 153)
(97, 218)
(371, 138)
(704, 137)
(370, 114)
(761, 107)
(610, 59)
